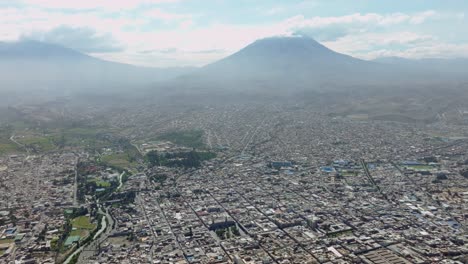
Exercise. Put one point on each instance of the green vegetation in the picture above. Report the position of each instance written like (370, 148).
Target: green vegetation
(78, 228)
(7, 241)
(91, 138)
(126, 159)
(99, 183)
(227, 233)
(189, 138)
(79, 232)
(83, 222)
(38, 143)
(340, 233)
(54, 243)
(420, 167)
(124, 197)
(6, 146)
(89, 185)
(190, 159)
(103, 184)
(74, 259)
(119, 160)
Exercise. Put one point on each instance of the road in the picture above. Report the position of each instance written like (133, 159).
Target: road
(75, 187)
(92, 249)
(88, 250)
(120, 180)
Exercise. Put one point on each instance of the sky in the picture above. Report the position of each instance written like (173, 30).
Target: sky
(176, 33)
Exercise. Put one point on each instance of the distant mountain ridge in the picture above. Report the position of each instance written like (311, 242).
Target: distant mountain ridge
(282, 64)
(285, 63)
(30, 49)
(286, 55)
(301, 63)
(30, 64)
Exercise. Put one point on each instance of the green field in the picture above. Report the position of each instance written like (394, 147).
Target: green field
(79, 232)
(83, 136)
(189, 138)
(7, 241)
(38, 143)
(83, 222)
(87, 137)
(82, 227)
(100, 183)
(103, 184)
(119, 160)
(6, 146)
(420, 167)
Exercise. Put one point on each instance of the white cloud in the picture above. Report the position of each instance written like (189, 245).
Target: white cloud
(397, 44)
(354, 34)
(357, 44)
(92, 4)
(369, 19)
(160, 14)
(429, 50)
(81, 39)
(421, 17)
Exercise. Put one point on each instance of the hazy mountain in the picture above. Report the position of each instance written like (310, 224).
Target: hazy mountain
(278, 64)
(35, 65)
(285, 56)
(295, 63)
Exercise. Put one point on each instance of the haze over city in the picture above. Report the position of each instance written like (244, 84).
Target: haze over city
(245, 132)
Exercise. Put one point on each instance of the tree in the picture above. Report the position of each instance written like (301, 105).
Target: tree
(464, 173)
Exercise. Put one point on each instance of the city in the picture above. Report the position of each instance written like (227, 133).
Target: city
(296, 188)
(233, 132)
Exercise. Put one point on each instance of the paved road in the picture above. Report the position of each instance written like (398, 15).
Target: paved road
(120, 180)
(75, 187)
(106, 230)
(88, 250)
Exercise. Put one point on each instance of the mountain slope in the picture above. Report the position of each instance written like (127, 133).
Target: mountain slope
(288, 63)
(36, 65)
(294, 64)
(282, 53)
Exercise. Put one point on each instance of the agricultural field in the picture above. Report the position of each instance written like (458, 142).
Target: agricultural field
(125, 159)
(189, 138)
(7, 147)
(119, 160)
(420, 167)
(89, 137)
(38, 143)
(83, 222)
